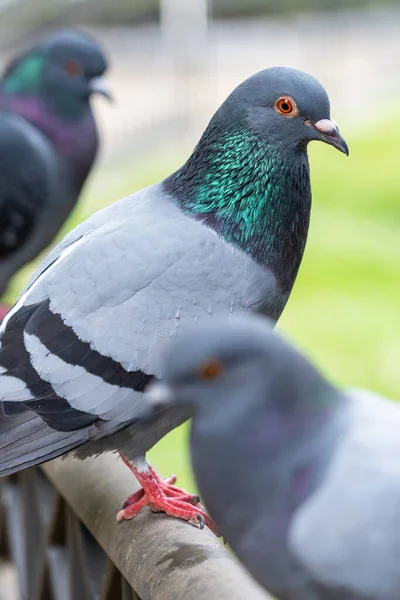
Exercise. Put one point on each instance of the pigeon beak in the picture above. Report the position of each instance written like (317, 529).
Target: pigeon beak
(329, 133)
(158, 395)
(99, 85)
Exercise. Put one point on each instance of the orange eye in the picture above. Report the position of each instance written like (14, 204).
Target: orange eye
(211, 370)
(286, 106)
(73, 68)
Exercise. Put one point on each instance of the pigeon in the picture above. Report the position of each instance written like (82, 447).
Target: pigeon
(48, 142)
(223, 234)
(301, 478)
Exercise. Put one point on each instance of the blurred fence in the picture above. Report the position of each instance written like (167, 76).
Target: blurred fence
(58, 528)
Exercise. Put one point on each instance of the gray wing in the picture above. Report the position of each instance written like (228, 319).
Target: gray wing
(91, 323)
(347, 534)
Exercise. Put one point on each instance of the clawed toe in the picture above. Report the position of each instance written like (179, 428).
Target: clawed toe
(201, 521)
(163, 496)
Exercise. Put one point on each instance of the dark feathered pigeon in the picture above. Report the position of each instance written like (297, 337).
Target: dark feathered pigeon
(48, 142)
(224, 234)
(302, 479)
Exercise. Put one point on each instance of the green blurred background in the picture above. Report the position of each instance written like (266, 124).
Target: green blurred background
(170, 71)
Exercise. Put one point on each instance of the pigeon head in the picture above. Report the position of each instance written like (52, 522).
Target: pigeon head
(239, 362)
(249, 179)
(285, 107)
(50, 86)
(63, 71)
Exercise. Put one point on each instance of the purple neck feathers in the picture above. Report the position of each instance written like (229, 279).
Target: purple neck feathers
(76, 141)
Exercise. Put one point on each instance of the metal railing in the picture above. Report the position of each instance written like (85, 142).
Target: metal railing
(58, 528)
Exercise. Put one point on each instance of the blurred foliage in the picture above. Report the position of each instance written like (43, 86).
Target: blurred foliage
(344, 309)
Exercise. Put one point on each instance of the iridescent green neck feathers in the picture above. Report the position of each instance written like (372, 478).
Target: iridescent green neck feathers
(25, 77)
(255, 195)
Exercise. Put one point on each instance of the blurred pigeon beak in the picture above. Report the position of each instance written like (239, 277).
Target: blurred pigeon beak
(158, 395)
(329, 133)
(99, 85)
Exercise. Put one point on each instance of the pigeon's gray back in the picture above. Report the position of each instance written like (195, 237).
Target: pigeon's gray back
(347, 534)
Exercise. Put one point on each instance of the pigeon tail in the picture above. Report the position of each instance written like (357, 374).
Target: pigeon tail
(26, 440)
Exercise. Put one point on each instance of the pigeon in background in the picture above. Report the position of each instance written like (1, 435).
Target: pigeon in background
(48, 142)
(302, 479)
(224, 234)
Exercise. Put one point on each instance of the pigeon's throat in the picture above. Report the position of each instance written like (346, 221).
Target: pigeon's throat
(253, 194)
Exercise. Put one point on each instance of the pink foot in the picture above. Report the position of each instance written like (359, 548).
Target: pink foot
(163, 496)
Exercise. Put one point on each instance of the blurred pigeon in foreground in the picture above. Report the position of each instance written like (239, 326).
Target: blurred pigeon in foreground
(303, 480)
(224, 234)
(48, 142)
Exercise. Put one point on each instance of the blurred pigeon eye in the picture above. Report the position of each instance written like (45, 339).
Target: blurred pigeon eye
(211, 370)
(286, 106)
(73, 68)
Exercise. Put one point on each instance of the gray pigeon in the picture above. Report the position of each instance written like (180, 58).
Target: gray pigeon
(224, 234)
(48, 142)
(303, 480)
